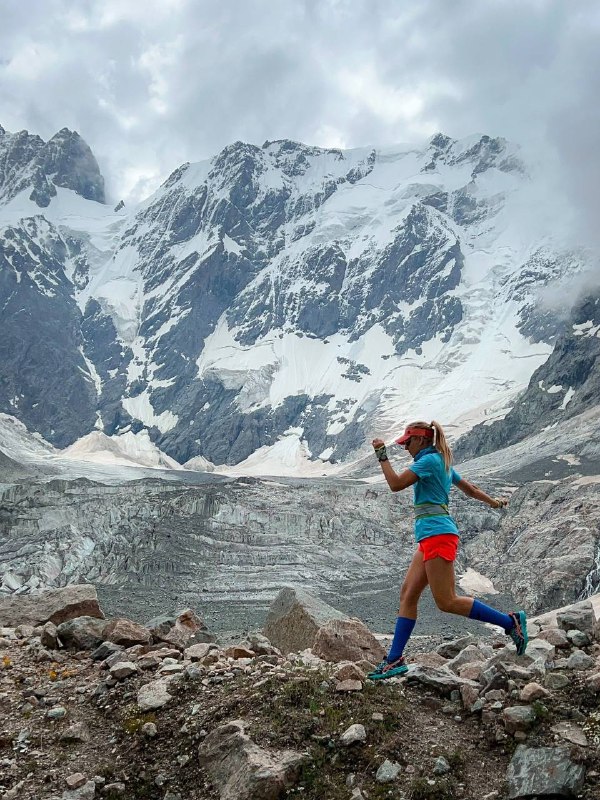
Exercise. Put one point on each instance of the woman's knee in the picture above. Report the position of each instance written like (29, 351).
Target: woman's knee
(446, 603)
(409, 596)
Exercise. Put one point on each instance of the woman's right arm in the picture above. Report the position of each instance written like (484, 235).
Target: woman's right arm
(478, 494)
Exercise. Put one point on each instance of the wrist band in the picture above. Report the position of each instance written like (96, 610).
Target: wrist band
(381, 453)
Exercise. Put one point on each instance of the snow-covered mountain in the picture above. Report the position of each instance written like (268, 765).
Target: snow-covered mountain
(274, 303)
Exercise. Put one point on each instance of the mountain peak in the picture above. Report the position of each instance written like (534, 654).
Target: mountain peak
(65, 161)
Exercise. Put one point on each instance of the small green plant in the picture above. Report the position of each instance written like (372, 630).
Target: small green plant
(134, 724)
(540, 710)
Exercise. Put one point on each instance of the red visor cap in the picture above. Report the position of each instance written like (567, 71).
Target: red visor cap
(414, 432)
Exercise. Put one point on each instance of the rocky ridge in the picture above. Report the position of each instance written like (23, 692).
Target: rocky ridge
(97, 708)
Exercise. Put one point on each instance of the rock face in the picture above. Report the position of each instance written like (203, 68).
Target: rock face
(263, 308)
(50, 605)
(564, 386)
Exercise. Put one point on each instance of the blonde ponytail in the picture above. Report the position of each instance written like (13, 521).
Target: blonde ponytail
(438, 439)
(442, 445)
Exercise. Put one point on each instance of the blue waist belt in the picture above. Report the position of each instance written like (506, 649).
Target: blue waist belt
(431, 510)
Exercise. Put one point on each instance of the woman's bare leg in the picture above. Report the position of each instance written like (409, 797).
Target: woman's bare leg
(442, 581)
(412, 587)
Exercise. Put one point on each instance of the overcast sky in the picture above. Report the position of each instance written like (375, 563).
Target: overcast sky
(150, 84)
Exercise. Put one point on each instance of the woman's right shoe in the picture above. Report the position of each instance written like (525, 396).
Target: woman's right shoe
(391, 670)
(518, 633)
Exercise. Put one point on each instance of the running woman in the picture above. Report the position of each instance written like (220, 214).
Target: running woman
(432, 476)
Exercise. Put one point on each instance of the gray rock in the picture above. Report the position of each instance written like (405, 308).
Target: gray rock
(58, 712)
(579, 638)
(580, 661)
(78, 732)
(153, 695)
(149, 729)
(453, 648)
(571, 732)
(122, 670)
(82, 633)
(105, 650)
(579, 616)
(49, 637)
(439, 678)
(556, 680)
(441, 766)
(346, 640)
(85, 792)
(555, 636)
(387, 772)
(543, 771)
(468, 655)
(354, 734)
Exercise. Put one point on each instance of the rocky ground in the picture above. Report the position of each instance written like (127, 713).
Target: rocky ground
(109, 709)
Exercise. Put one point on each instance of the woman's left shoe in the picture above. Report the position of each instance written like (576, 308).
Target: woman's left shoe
(391, 670)
(518, 633)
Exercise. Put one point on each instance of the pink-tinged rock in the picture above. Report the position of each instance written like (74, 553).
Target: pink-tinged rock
(554, 636)
(431, 659)
(126, 633)
(469, 694)
(198, 651)
(295, 617)
(347, 640)
(50, 605)
(349, 671)
(471, 672)
(236, 652)
(533, 691)
(518, 718)
(75, 780)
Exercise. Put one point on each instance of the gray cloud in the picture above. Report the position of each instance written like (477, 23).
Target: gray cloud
(153, 83)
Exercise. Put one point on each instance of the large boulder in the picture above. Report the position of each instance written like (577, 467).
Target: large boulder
(579, 616)
(543, 771)
(295, 617)
(82, 633)
(50, 605)
(244, 771)
(347, 640)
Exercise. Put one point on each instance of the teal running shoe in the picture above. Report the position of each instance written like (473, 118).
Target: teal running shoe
(518, 633)
(385, 670)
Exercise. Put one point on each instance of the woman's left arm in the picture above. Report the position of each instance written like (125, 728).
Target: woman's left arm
(478, 494)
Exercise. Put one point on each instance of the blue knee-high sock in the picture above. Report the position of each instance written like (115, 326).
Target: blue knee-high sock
(488, 614)
(404, 628)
